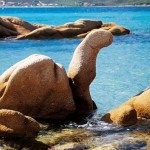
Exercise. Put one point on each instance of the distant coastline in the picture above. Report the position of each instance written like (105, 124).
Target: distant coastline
(73, 6)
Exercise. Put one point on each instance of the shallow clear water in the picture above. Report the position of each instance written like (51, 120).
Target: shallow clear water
(122, 68)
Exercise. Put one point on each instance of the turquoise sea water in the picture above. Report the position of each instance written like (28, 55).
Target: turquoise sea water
(123, 69)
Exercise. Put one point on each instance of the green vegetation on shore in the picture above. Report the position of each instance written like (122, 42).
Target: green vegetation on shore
(77, 2)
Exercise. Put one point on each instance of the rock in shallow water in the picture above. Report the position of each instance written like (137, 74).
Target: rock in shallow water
(37, 87)
(115, 29)
(82, 69)
(138, 106)
(141, 103)
(13, 26)
(124, 116)
(13, 123)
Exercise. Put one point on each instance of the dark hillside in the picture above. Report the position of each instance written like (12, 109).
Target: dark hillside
(80, 2)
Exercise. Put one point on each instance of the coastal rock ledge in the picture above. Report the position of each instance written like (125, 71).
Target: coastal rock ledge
(19, 29)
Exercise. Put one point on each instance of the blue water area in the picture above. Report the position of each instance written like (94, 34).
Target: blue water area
(123, 69)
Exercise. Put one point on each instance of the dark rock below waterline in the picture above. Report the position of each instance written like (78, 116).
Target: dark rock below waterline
(13, 26)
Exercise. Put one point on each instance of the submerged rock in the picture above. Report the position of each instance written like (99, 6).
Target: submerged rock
(37, 87)
(13, 123)
(138, 106)
(82, 69)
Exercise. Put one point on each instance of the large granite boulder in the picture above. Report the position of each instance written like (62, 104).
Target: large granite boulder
(13, 123)
(20, 26)
(15, 26)
(138, 106)
(82, 69)
(4, 32)
(37, 87)
(6, 28)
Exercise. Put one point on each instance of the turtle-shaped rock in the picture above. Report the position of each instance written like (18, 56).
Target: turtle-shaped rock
(38, 87)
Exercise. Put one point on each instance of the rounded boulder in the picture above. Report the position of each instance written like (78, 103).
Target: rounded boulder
(37, 87)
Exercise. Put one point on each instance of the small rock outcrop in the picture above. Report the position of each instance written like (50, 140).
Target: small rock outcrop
(37, 87)
(124, 115)
(13, 123)
(82, 69)
(128, 113)
(114, 28)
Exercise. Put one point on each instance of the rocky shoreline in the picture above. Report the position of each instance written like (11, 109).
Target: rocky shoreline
(38, 89)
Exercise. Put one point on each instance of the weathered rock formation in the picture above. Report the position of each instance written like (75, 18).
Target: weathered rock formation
(37, 87)
(13, 123)
(112, 27)
(141, 104)
(41, 33)
(20, 29)
(115, 29)
(123, 115)
(127, 113)
(68, 30)
(13, 26)
(82, 69)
